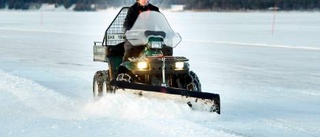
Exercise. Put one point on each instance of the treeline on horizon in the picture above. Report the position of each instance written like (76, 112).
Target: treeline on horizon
(215, 5)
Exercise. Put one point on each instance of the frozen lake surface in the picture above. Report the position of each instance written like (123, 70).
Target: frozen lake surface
(269, 83)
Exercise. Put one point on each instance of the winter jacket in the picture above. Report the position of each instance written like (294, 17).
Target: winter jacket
(134, 12)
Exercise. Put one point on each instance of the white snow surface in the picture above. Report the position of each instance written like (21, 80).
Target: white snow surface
(269, 83)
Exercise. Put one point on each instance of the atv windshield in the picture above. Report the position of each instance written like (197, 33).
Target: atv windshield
(155, 22)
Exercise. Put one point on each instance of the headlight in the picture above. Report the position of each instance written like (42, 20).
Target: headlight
(142, 65)
(179, 65)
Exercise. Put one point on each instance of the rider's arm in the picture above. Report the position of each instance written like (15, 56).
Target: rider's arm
(129, 20)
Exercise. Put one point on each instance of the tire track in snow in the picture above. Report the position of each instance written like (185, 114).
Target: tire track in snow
(46, 31)
(256, 44)
(307, 130)
(44, 101)
(233, 132)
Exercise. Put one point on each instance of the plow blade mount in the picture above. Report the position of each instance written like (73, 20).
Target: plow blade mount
(196, 100)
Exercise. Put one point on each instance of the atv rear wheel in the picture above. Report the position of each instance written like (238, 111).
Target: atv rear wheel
(97, 85)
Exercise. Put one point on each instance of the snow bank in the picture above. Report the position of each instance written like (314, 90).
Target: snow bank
(38, 98)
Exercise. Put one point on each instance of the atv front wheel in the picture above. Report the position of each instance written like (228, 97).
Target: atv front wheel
(195, 80)
(106, 87)
(124, 77)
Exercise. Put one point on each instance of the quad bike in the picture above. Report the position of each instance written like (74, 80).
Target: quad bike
(151, 69)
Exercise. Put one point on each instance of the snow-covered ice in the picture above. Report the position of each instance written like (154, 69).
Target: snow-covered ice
(269, 83)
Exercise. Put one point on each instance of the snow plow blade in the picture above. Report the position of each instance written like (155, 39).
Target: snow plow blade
(196, 100)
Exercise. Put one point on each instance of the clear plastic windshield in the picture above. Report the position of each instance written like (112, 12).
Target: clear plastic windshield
(152, 21)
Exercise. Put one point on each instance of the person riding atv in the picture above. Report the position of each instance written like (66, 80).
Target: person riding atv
(132, 15)
(135, 10)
